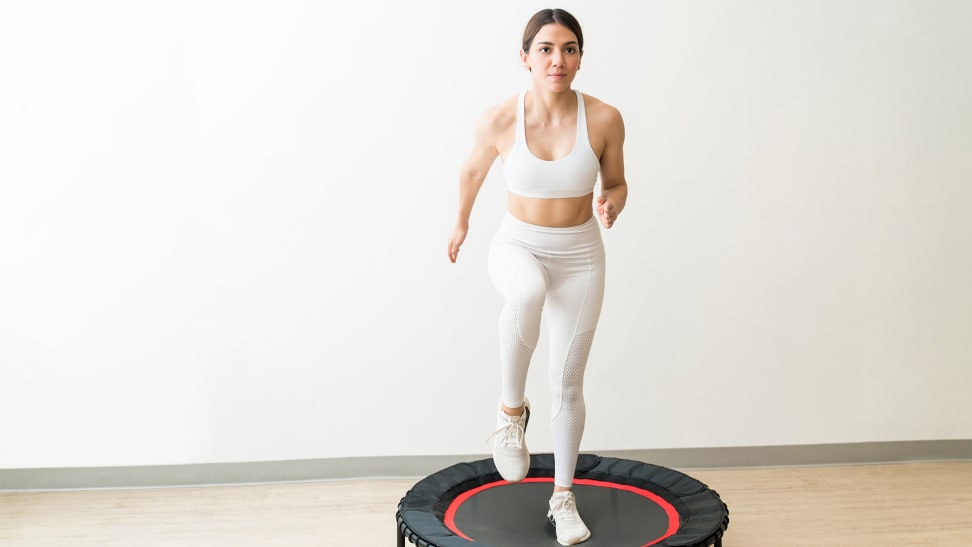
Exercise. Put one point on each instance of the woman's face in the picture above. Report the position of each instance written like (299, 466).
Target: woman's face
(554, 57)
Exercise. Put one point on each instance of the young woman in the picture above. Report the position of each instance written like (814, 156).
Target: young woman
(547, 255)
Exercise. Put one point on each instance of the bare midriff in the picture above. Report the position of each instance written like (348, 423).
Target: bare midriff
(552, 212)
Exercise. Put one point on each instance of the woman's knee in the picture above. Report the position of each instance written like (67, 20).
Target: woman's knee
(530, 293)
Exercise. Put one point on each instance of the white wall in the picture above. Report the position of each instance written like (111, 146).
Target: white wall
(223, 227)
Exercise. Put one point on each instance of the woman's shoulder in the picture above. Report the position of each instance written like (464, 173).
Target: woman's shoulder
(499, 117)
(600, 110)
(503, 111)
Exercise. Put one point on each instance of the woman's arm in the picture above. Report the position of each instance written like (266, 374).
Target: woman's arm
(614, 188)
(471, 177)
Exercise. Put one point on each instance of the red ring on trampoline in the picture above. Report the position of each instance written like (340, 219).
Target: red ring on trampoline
(670, 511)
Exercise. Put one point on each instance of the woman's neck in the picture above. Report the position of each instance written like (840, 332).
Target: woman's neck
(552, 106)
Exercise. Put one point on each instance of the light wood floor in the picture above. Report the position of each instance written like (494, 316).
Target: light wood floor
(870, 505)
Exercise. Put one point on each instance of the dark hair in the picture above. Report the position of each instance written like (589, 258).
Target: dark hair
(547, 16)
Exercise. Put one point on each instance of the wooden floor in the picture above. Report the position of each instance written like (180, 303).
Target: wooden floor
(870, 505)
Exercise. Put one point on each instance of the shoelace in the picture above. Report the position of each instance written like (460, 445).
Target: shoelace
(564, 509)
(512, 434)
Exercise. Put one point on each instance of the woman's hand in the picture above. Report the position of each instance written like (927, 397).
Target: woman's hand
(455, 241)
(607, 211)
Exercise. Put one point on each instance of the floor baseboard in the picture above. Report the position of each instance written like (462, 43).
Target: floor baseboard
(418, 466)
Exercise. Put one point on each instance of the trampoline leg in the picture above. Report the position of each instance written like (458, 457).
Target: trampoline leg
(400, 536)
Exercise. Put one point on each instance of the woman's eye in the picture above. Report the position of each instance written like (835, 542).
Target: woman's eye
(544, 50)
(570, 50)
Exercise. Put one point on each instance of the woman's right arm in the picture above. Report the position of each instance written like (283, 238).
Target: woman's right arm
(471, 177)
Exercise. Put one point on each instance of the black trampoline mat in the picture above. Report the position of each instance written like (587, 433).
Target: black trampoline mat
(504, 514)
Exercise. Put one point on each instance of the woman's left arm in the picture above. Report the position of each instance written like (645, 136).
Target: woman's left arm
(614, 188)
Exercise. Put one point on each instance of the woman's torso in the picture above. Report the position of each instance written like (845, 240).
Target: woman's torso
(551, 168)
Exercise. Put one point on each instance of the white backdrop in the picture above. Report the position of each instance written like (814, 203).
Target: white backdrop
(223, 227)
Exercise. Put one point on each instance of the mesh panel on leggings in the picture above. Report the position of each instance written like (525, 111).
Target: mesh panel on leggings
(568, 424)
(515, 350)
(515, 354)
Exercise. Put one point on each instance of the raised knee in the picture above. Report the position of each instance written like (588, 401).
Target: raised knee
(531, 294)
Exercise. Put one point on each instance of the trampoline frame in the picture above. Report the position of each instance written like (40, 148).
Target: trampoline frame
(703, 516)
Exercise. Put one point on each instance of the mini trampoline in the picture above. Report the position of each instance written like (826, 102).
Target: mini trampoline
(625, 503)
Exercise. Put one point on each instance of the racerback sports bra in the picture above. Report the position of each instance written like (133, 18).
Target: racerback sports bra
(569, 177)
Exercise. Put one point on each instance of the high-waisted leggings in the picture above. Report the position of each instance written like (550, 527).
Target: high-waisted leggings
(560, 272)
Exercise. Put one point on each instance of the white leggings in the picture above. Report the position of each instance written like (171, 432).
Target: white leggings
(562, 270)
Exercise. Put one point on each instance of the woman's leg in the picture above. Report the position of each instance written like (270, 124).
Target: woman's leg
(573, 308)
(521, 280)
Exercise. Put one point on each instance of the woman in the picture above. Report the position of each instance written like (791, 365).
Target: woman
(547, 255)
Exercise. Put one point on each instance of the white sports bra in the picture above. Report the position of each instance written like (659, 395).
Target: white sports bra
(569, 177)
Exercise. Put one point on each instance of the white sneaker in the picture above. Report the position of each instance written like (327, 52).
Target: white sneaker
(510, 454)
(563, 514)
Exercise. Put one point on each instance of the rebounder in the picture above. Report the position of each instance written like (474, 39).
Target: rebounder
(625, 503)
